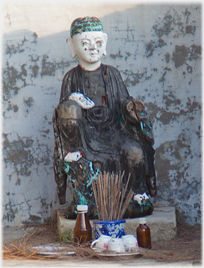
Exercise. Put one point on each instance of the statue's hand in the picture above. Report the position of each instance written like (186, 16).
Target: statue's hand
(135, 111)
(132, 111)
(139, 106)
(140, 111)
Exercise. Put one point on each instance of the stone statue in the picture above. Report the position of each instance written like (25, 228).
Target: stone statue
(98, 127)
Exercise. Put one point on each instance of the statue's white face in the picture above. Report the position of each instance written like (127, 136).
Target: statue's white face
(89, 48)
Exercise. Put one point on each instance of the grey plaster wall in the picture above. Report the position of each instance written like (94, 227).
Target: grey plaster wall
(157, 49)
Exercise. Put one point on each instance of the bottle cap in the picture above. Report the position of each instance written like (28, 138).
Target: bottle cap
(142, 220)
(83, 208)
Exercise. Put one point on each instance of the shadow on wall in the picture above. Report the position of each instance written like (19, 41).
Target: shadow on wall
(157, 49)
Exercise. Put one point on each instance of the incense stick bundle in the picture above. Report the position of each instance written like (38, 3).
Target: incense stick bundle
(111, 196)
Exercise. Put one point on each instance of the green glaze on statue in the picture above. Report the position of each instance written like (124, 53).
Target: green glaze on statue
(81, 183)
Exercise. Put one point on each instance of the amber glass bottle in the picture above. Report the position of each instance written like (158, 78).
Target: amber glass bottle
(82, 229)
(143, 234)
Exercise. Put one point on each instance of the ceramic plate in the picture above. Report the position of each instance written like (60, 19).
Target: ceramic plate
(52, 250)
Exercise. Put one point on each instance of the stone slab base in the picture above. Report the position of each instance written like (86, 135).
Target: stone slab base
(162, 224)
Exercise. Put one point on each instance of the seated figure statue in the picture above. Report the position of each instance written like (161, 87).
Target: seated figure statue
(99, 127)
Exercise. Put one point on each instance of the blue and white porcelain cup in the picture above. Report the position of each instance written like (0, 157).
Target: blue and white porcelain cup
(115, 229)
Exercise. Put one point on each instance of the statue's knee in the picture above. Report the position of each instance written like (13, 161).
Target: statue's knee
(69, 110)
(135, 155)
(69, 115)
(72, 124)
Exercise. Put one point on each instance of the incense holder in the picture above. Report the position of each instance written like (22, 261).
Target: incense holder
(115, 229)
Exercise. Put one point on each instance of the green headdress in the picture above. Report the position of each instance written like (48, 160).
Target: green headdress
(85, 24)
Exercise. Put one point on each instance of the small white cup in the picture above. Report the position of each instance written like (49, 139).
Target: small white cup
(130, 242)
(101, 243)
(116, 245)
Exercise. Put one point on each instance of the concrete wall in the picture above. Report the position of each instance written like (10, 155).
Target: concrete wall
(157, 48)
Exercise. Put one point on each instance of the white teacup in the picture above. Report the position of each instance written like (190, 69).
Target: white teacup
(130, 242)
(101, 243)
(116, 245)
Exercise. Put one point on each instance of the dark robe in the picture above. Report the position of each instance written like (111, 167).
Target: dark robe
(107, 137)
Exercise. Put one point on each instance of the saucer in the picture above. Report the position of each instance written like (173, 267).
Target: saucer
(52, 250)
(119, 254)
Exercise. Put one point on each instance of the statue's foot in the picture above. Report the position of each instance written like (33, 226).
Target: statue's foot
(140, 206)
(141, 197)
(73, 156)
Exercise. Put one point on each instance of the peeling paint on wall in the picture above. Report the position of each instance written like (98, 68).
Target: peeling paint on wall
(157, 49)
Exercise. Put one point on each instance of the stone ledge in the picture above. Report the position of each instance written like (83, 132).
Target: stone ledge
(162, 224)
